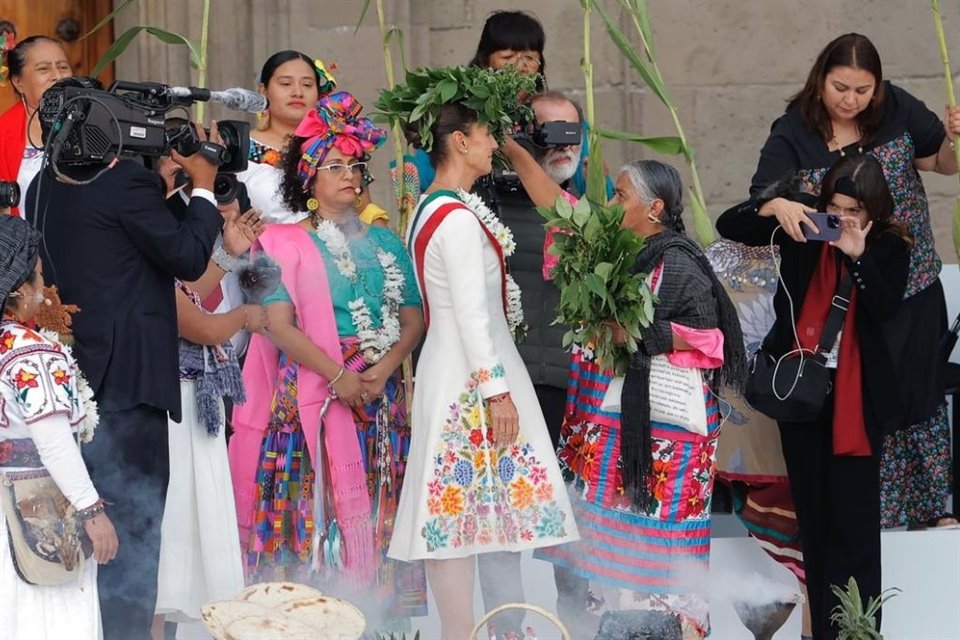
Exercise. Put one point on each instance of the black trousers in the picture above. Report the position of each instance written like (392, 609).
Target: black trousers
(129, 463)
(553, 404)
(837, 500)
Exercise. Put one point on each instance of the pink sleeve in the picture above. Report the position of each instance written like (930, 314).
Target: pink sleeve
(707, 352)
(550, 260)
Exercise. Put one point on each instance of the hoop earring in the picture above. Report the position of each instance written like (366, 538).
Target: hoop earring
(653, 219)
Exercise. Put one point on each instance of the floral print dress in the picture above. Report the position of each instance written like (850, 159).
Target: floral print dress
(463, 493)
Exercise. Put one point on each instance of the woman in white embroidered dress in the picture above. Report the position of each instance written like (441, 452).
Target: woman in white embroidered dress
(41, 409)
(482, 476)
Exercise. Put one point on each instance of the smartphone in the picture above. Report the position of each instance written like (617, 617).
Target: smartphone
(828, 223)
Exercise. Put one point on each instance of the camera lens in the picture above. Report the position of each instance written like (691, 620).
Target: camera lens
(9, 194)
(833, 222)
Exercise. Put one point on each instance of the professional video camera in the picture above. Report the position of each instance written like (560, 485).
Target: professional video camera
(9, 194)
(84, 125)
(548, 135)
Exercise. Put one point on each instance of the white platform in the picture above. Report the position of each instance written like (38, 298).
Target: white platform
(925, 565)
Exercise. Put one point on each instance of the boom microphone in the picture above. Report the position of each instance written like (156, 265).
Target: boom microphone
(235, 99)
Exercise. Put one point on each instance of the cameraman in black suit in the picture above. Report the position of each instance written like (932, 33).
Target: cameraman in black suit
(113, 248)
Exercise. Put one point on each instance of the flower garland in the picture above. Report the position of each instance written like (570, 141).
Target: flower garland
(504, 236)
(374, 343)
(91, 413)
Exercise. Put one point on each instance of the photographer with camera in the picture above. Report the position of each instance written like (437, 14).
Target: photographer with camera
(114, 248)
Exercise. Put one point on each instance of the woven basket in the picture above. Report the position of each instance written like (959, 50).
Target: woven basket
(520, 605)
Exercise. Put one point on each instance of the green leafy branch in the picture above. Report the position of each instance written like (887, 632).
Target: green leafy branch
(493, 95)
(596, 280)
(852, 620)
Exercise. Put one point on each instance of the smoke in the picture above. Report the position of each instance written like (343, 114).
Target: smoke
(751, 589)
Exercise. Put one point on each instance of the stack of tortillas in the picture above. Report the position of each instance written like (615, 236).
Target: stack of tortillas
(283, 611)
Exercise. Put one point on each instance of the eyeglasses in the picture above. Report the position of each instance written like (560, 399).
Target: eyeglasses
(338, 169)
(530, 59)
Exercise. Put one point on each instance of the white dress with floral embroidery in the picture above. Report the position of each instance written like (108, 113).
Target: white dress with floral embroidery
(461, 494)
(39, 396)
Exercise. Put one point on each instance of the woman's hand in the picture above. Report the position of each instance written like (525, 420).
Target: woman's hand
(790, 215)
(374, 380)
(349, 389)
(952, 123)
(103, 536)
(241, 231)
(853, 239)
(255, 317)
(504, 418)
(619, 333)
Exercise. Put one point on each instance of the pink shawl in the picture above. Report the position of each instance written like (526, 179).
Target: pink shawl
(305, 278)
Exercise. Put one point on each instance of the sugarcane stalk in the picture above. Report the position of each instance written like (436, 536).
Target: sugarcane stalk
(202, 67)
(952, 103)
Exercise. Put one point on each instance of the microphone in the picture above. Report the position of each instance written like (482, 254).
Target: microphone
(235, 99)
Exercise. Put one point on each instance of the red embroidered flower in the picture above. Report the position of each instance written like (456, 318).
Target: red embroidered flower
(476, 437)
(60, 376)
(6, 341)
(25, 379)
(6, 449)
(661, 473)
(526, 535)
(272, 157)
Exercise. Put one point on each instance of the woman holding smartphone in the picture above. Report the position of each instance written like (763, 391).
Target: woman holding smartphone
(833, 460)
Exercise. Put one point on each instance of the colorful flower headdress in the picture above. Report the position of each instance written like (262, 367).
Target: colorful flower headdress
(7, 42)
(335, 122)
(326, 83)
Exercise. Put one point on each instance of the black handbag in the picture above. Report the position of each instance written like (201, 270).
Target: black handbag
(793, 388)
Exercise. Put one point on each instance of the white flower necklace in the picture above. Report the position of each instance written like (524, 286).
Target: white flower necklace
(91, 413)
(374, 343)
(504, 236)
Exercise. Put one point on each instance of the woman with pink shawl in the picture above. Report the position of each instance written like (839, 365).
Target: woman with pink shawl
(319, 449)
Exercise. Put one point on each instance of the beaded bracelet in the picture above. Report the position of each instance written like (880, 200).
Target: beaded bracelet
(498, 398)
(92, 511)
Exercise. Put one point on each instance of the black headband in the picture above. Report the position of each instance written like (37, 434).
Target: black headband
(847, 187)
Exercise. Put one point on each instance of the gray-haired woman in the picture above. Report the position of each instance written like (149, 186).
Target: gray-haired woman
(642, 488)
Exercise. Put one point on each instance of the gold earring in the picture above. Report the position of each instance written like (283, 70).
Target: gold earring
(357, 202)
(313, 204)
(464, 151)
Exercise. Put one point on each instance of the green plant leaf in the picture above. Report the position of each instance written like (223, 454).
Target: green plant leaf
(596, 175)
(603, 269)
(650, 77)
(110, 16)
(363, 14)
(114, 50)
(667, 145)
(564, 209)
(170, 37)
(401, 46)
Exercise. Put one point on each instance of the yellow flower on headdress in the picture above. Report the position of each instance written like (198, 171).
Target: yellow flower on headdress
(327, 82)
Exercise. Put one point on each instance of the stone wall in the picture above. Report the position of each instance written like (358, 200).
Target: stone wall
(729, 64)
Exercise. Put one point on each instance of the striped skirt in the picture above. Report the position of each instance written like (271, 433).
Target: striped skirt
(662, 551)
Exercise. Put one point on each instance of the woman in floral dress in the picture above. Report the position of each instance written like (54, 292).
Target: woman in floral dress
(845, 108)
(482, 476)
(320, 447)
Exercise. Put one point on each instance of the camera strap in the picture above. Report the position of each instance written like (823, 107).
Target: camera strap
(838, 310)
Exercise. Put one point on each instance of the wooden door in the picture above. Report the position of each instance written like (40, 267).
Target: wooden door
(67, 21)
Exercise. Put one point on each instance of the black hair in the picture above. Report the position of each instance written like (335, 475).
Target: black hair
(515, 30)
(872, 192)
(655, 180)
(453, 117)
(849, 50)
(17, 57)
(282, 57)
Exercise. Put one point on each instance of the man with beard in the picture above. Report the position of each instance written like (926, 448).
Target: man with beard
(540, 178)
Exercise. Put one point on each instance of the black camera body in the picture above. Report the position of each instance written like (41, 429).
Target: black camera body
(9, 194)
(91, 126)
(548, 135)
